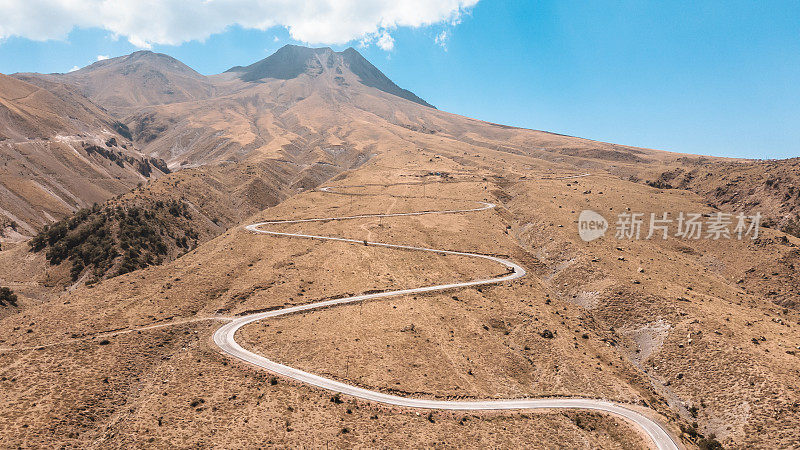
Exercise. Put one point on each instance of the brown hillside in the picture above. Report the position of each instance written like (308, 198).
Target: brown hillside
(136, 80)
(58, 153)
(701, 335)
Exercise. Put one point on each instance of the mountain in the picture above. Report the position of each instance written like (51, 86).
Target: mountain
(308, 105)
(60, 152)
(32, 111)
(140, 79)
(290, 61)
(700, 334)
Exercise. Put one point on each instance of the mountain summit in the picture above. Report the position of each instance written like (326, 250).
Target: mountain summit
(291, 61)
(132, 81)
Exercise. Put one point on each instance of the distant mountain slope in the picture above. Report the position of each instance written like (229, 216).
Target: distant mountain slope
(140, 79)
(59, 152)
(36, 111)
(290, 61)
(164, 219)
(749, 186)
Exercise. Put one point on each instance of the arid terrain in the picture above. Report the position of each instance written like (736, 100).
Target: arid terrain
(109, 341)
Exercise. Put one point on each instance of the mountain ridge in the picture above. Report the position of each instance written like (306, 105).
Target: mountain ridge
(145, 78)
(290, 61)
(136, 80)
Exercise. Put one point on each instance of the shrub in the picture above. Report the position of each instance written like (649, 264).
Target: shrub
(160, 164)
(76, 270)
(691, 431)
(7, 296)
(123, 130)
(792, 226)
(709, 443)
(97, 237)
(660, 184)
(143, 167)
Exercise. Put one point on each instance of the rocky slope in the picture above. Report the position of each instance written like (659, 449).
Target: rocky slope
(60, 152)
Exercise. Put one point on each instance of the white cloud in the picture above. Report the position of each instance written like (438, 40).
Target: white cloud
(74, 68)
(102, 57)
(275, 39)
(172, 22)
(441, 39)
(386, 41)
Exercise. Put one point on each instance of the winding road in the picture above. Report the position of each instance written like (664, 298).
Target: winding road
(225, 336)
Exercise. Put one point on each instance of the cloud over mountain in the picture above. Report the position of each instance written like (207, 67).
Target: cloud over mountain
(171, 22)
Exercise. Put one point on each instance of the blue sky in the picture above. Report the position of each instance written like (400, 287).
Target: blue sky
(717, 78)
